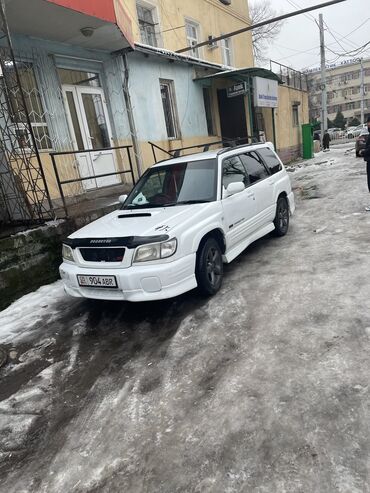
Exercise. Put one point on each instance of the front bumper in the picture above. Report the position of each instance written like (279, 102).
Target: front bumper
(136, 283)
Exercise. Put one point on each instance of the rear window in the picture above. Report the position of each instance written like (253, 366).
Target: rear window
(270, 159)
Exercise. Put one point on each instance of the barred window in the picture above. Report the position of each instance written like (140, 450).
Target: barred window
(34, 108)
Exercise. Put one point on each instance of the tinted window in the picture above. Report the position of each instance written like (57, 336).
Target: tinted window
(270, 159)
(254, 165)
(195, 181)
(234, 171)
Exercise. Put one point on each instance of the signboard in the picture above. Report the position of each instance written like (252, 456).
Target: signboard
(237, 90)
(265, 93)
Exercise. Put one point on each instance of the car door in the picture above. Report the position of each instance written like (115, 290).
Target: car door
(277, 178)
(261, 184)
(239, 209)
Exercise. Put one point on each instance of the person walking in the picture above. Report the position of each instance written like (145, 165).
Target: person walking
(326, 141)
(366, 155)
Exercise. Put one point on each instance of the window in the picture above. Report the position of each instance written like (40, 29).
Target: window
(169, 108)
(34, 108)
(147, 24)
(78, 78)
(254, 166)
(295, 115)
(208, 109)
(226, 50)
(270, 159)
(193, 181)
(234, 171)
(192, 36)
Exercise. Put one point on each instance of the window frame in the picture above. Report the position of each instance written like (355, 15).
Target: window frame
(295, 111)
(261, 160)
(20, 128)
(155, 22)
(265, 161)
(227, 51)
(243, 166)
(209, 117)
(194, 24)
(173, 106)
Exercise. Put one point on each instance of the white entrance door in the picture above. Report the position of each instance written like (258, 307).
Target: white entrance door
(88, 120)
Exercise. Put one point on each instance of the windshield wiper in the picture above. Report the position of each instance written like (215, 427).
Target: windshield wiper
(189, 202)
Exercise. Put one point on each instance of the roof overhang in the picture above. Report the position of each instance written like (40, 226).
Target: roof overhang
(173, 56)
(243, 74)
(63, 20)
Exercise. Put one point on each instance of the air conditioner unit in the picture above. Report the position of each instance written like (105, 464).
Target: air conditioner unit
(212, 44)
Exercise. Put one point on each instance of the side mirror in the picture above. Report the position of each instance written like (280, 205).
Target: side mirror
(235, 188)
(122, 198)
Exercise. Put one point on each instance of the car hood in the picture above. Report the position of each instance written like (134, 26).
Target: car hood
(142, 222)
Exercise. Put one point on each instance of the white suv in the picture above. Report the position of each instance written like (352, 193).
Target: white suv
(182, 221)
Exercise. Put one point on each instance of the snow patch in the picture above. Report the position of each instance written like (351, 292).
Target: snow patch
(47, 225)
(20, 318)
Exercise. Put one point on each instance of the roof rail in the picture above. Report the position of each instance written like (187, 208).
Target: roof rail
(232, 148)
(228, 143)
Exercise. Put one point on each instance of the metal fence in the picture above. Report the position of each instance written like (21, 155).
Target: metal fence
(290, 77)
(24, 196)
(76, 189)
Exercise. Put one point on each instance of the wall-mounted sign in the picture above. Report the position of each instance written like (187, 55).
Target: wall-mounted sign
(265, 93)
(237, 90)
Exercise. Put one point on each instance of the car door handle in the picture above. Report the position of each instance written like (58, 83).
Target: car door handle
(250, 195)
(271, 182)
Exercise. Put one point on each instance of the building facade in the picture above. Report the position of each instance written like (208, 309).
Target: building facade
(104, 74)
(343, 91)
(175, 24)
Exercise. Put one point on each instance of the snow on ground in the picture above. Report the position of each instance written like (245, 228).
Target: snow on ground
(262, 388)
(21, 318)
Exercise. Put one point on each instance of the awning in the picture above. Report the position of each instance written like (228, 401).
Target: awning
(242, 74)
(93, 24)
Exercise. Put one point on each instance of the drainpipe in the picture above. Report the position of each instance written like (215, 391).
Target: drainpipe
(273, 127)
(250, 107)
(130, 114)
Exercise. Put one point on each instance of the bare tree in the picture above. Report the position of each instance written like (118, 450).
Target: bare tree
(260, 11)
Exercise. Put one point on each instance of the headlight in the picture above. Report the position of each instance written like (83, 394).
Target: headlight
(156, 251)
(67, 253)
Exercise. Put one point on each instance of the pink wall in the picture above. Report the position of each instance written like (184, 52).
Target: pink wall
(102, 9)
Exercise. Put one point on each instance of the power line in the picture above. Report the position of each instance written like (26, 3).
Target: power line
(261, 24)
(310, 50)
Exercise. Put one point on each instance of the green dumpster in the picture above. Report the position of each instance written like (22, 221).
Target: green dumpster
(307, 139)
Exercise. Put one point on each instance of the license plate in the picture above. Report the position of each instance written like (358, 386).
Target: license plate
(107, 282)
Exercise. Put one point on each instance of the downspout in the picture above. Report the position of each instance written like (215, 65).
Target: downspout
(250, 107)
(273, 127)
(130, 115)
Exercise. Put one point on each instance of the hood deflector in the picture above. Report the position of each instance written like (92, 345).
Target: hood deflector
(128, 241)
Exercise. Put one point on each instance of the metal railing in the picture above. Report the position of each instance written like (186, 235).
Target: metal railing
(81, 179)
(291, 77)
(174, 153)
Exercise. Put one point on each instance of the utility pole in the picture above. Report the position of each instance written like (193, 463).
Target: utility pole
(324, 109)
(362, 91)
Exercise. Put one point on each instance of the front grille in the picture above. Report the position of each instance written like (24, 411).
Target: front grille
(102, 254)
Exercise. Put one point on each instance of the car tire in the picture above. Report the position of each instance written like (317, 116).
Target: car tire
(357, 154)
(209, 267)
(281, 221)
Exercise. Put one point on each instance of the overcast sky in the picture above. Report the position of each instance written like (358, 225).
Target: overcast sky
(301, 33)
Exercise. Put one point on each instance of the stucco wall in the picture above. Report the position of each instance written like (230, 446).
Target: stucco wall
(288, 135)
(214, 19)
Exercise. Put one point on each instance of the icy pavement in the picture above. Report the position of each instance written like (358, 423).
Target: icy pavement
(263, 388)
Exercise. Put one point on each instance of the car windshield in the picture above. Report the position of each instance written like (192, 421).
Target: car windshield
(176, 184)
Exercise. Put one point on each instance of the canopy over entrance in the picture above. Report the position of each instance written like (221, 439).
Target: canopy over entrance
(94, 24)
